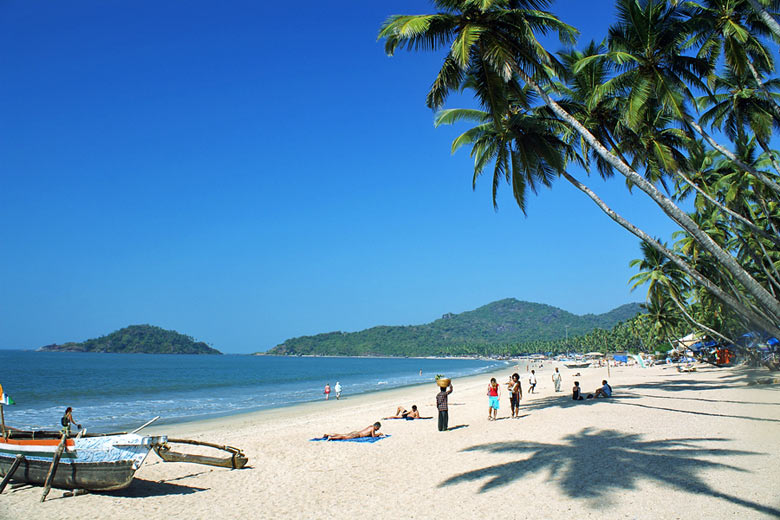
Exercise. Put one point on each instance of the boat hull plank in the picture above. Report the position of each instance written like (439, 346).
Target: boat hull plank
(101, 476)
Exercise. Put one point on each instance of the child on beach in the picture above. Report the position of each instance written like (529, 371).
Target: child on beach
(493, 392)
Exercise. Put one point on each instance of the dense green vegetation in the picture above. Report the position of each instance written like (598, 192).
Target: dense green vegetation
(680, 99)
(500, 327)
(138, 339)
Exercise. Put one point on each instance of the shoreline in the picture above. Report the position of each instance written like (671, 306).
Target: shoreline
(668, 444)
(197, 426)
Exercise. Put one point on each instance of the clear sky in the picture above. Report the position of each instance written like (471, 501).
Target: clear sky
(245, 172)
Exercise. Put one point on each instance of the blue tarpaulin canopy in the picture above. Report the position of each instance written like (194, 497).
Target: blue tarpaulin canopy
(700, 345)
(622, 359)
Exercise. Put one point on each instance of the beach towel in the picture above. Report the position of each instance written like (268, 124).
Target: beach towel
(406, 418)
(359, 439)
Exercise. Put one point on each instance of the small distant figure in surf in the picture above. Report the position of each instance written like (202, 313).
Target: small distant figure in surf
(327, 391)
(67, 419)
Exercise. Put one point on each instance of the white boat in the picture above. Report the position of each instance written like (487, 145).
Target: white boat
(95, 462)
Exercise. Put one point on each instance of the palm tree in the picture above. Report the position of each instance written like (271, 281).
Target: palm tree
(664, 281)
(736, 108)
(647, 45)
(767, 17)
(530, 140)
(501, 35)
(731, 28)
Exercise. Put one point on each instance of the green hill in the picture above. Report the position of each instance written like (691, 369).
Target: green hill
(501, 323)
(137, 339)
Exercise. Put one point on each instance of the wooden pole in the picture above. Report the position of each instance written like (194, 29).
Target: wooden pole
(19, 459)
(53, 468)
(2, 422)
(145, 425)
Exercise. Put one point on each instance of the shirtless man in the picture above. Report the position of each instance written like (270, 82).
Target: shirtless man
(368, 431)
(403, 413)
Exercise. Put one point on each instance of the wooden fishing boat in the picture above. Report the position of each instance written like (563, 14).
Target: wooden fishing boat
(95, 462)
(235, 460)
(576, 364)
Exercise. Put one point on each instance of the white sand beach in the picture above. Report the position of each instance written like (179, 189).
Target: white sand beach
(667, 445)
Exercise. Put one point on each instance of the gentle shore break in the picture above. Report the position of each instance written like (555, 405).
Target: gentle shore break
(667, 445)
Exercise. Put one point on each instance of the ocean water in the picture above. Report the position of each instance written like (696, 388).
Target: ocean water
(113, 392)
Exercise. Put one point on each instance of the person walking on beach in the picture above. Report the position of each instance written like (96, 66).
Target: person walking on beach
(327, 391)
(532, 382)
(441, 405)
(493, 393)
(337, 388)
(556, 377)
(516, 393)
(67, 419)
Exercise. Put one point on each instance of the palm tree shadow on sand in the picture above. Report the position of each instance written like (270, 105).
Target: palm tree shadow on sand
(575, 465)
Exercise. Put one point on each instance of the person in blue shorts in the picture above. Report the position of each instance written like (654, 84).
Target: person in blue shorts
(493, 393)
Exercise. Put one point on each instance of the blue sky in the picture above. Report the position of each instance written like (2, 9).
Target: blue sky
(245, 173)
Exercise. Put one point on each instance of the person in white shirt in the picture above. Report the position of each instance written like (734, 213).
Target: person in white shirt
(532, 382)
(604, 391)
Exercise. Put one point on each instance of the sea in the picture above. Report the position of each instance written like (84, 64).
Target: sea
(117, 392)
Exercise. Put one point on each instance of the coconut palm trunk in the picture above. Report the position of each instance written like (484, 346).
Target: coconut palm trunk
(767, 18)
(698, 324)
(754, 228)
(754, 288)
(733, 303)
(726, 152)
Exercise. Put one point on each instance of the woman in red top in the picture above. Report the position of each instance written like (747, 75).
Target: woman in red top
(493, 392)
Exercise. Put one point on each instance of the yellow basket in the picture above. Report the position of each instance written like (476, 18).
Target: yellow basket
(443, 382)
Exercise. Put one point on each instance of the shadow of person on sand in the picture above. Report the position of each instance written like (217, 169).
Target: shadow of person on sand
(140, 488)
(573, 465)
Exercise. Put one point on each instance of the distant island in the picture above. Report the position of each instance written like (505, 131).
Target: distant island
(526, 326)
(137, 339)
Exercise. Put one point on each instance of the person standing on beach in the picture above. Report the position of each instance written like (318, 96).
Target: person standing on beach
(441, 404)
(493, 393)
(337, 388)
(532, 382)
(556, 377)
(327, 391)
(515, 395)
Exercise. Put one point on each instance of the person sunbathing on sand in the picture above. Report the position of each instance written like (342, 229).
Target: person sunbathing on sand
(403, 413)
(368, 431)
